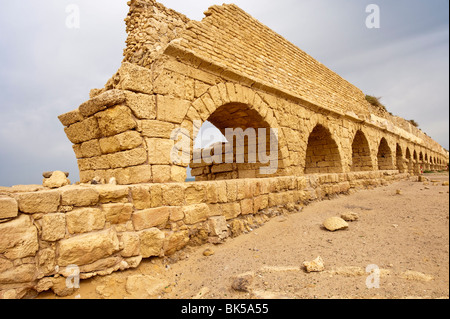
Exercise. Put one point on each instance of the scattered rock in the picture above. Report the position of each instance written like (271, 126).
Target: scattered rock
(49, 174)
(56, 180)
(242, 282)
(317, 265)
(144, 286)
(208, 252)
(350, 216)
(335, 223)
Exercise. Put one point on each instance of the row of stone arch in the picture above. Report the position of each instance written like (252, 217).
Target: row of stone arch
(323, 155)
(247, 109)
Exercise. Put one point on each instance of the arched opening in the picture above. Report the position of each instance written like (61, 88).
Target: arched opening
(384, 156)
(409, 160)
(361, 160)
(322, 153)
(399, 159)
(239, 144)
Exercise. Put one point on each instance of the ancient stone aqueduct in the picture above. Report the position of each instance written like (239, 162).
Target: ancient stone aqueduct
(228, 69)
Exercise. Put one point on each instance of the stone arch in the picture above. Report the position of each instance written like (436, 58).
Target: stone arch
(322, 152)
(409, 160)
(385, 159)
(399, 161)
(232, 106)
(361, 159)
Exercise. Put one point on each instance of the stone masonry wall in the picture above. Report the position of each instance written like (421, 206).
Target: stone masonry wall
(100, 229)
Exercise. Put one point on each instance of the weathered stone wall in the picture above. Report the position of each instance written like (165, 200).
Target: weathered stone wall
(106, 228)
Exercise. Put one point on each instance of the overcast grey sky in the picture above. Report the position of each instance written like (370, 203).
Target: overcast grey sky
(47, 69)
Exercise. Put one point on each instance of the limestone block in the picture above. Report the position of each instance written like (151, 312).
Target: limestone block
(115, 120)
(170, 109)
(132, 157)
(53, 227)
(141, 197)
(135, 78)
(175, 242)
(90, 149)
(129, 243)
(317, 265)
(84, 220)
(335, 223)
(121, 142)
(117, 213)
(159, 150)
(143, 106)
(20, 274)
(144, 286)
(8, 207)
(195, 213)
(260, 202)
(39, 202)
(231, 190)
(46, 262)
(231, 210)
(218, 227)
(133, 175)
(195, 194)
(18, 238)
(246, 206)
(83, 131)
(79, 196)
(152, 241)
(152, 217)
(173, 194)
(156, 195)
(174, 84)
(101, 102)
(112, 193)
(87, 248)
(57, 180)
(70, 118)
(161, 173)
(156, 129)
(178, 174)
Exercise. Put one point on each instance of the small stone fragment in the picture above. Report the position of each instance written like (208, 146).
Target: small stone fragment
(242, 282)
(57, 179)
(350, 216)
(317, 265)
(208, 252)
(335, 223)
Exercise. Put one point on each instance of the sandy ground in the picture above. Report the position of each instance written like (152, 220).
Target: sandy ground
(405, 236)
